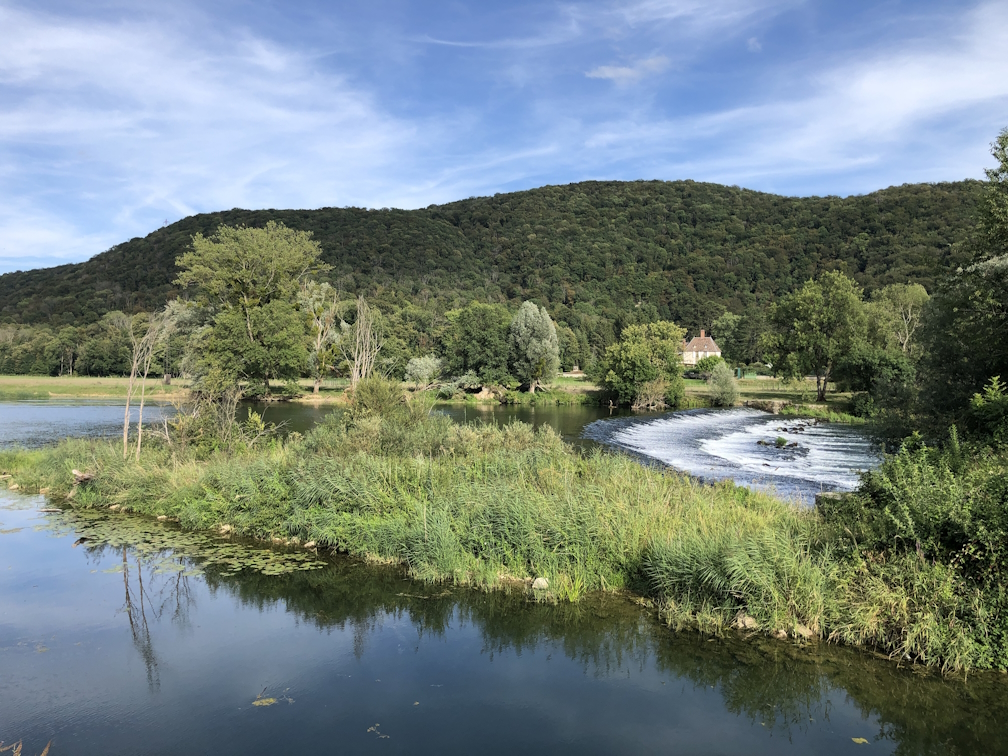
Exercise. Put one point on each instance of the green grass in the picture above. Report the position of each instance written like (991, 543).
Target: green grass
(18, 387)
(486, 505)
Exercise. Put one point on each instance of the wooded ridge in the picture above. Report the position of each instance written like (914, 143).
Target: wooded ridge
(602, 250)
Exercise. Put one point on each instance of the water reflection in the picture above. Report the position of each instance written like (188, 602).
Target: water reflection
(174, 661)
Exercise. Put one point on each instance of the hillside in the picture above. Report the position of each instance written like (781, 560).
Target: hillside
(594, 250)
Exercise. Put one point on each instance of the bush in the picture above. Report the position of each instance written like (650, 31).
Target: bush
(946, 505)
(706, 365)
(723, 388)
(988, 413)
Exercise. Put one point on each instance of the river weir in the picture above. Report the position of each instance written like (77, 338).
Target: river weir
(795, 458)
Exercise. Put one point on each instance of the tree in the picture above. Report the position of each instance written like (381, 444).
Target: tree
(966, 332)
(423, 371)
(533, 347)
(144, 332)
(894, 316)
(645, 353)
(476, 340)
(321, 307)
(814, 327)
(360, 343)
(250, 278)
(706, 365)
(723, 388)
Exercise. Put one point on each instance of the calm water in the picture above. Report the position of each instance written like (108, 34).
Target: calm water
(41, 423)
(105, 651)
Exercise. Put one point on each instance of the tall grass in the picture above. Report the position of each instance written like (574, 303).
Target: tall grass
(484, 505)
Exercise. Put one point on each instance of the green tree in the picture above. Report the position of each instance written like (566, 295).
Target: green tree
(250, 277)
(894, 316)
(645, 353)
(533, 346)
(966, 333)
(321, 307)
(476, 340)
(723, 388)
(815, 327)
(706, 365)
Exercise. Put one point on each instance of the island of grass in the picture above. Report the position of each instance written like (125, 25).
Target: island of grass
(486, 506)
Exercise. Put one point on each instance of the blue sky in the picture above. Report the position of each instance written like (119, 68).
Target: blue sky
(116, 117)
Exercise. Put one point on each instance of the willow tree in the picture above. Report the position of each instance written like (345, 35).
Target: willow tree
(250, 278)
(534, 349)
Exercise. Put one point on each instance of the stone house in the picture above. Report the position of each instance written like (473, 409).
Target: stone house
(699, 347)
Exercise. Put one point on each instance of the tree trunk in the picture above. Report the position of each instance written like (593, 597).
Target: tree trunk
(143, 390)
(315, 390)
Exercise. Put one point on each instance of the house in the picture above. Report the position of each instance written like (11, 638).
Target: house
(699, 347)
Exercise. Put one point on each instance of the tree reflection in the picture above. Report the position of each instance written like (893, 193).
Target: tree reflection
(149, 601)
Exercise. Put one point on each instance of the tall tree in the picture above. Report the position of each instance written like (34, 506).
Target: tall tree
(250, 277)
(534, 350)
(321, 307)
(814, 327)
(967, 329)
(361, 342)
(476, 340)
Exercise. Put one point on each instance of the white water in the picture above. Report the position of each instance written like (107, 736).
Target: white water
(723, 444)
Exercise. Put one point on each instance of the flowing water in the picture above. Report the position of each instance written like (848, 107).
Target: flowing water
(795, 458)
(121, 635)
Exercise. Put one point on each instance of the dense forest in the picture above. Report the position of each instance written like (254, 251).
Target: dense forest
(599, 255)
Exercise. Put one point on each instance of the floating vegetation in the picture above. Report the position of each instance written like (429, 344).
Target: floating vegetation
(168, 549)
(15, 748)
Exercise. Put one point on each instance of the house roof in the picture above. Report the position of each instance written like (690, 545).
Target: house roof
(702, 344)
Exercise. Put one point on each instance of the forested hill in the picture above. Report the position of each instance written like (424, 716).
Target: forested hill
(610, 250)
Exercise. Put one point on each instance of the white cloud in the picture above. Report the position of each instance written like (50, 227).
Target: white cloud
(753, 45)
(143, 117)
(851, 117)
(625, 74)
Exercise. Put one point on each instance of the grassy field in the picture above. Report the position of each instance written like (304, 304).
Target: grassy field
(564, 390)
(487, 506)
(14, 387)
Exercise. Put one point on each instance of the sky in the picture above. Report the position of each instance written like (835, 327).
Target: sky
(118, 117)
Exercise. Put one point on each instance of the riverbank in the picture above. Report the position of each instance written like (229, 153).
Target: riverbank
(488, 506)
(36, 387)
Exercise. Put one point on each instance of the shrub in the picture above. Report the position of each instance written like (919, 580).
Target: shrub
(706, 365)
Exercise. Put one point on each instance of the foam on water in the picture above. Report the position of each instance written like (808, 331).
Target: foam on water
(723, 444)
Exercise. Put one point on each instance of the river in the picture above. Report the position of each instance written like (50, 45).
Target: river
(117, 637)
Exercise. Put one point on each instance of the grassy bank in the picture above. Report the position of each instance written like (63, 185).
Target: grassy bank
(485, 505)
(20, 387)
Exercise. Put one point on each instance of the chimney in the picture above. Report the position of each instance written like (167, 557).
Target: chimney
(701, 333)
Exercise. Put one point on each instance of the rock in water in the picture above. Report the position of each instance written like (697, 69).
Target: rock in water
(540, 584)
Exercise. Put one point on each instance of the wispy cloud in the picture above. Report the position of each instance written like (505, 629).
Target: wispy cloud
(624, 74)
(855, 116)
